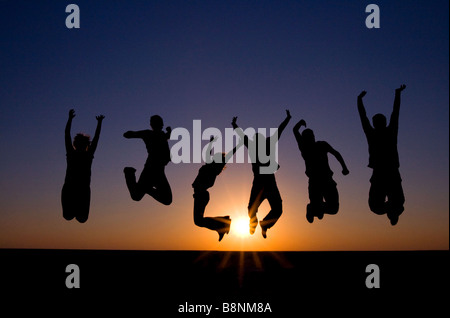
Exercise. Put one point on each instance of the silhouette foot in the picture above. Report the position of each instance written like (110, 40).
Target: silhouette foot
(320, 215)
(263, 229)
(393, 218)
(309, 214)
(225, 229)
(393, 212)
(253, 224)
(221, 235)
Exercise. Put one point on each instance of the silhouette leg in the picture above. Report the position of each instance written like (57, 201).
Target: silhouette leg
(331, 197)
(377, 194)
(275, 202)
(314, 208)
(135, 190)
(201, 200)
(256, 198)
(83, 205)
(219, 224)
(75, 201)
(68, 202)
(395, 199)
(161, 190)
(225, 223)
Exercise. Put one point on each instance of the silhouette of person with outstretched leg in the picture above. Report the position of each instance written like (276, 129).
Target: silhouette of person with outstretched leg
(323, 194)
(386, 181)
(153, 179)
(205, 179)
(76, 191)
(264, 184)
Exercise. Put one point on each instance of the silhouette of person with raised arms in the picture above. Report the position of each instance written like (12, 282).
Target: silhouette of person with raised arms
(152, 180)
(76, 191)
(323, 194)
(386, 181)
(205, 179)
(264, 184)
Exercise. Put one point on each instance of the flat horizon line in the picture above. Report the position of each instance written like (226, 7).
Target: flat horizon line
(222, 251)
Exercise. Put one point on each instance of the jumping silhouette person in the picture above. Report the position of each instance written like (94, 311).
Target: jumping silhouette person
(152, 180)
(264, 184)
(323, 194)
(205, 179)
(386, 181)
(76, 191)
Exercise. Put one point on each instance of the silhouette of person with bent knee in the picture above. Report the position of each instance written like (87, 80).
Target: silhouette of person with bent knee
(205, 179)
(386, 181)
(323, 194)
(264, 184)
(76, 191)
(153, 179)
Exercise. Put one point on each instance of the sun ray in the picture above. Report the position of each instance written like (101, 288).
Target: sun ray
(257, 260)
(225, 260)
(241, 268)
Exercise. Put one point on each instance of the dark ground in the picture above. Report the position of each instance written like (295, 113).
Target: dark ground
(156, 283)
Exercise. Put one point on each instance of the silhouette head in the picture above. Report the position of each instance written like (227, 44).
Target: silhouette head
(81, 142)
(156, 122)
(379, 121)
(308, 136)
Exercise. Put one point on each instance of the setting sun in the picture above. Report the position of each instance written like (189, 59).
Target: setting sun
(240, 227)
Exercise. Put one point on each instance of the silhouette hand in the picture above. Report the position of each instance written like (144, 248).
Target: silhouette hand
(233, 122)
(345, 171)
(363, 93)
(288, 114)
(71, 113)
(169, 130)
(127, 134)
(302, 122)
(99, 117)
(400, 89)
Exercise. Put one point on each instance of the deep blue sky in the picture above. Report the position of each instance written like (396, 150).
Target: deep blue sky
(212, 60)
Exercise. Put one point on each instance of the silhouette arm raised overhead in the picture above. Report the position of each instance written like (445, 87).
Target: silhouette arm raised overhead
(94, 142)
(233, 151)
(396, 112)
(297, 134)
(208, 154)
(339, 158)
(284, 123)
(67, 137)
(239, 131)
(362, 112)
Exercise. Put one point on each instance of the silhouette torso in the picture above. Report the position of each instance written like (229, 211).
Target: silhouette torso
(383, 148)
(157, 147)
(316, 160)
(207, 176)
(79, 167)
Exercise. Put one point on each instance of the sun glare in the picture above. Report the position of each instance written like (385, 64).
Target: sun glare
(240, 227)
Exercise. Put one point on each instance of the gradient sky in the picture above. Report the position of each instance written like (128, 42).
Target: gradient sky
(212, 60)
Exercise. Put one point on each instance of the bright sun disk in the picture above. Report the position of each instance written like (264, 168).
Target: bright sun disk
(240, 226)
